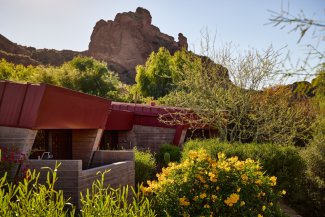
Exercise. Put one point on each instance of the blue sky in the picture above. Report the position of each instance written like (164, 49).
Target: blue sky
(67, 24)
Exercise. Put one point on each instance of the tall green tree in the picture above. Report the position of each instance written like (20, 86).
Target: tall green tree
(155, 77)
(83, 74)
(162, 72)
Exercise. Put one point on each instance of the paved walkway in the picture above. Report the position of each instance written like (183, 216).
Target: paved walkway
(288, 210)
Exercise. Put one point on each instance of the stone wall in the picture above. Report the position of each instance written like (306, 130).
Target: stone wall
(104, 157)
(84, 143)
(73, 180)
(146, 137)
(18, 140)
(67, 174)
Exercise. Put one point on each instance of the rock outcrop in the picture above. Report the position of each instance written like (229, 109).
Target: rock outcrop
(18, 54)
(128, 41)
(123, 44)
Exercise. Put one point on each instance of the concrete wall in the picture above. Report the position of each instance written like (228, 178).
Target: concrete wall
(84, 143)
(120, 174)
(68, 174)
(146, 137)
(73, 180)
(183, 136)
(18, 140)
(104, 157)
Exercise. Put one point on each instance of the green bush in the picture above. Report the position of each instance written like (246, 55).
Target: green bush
(145, 166)
(30, 198)
(174, 154)
(105, 201)
(202, 186)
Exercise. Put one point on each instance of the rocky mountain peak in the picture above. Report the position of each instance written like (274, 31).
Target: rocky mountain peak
(128, 41)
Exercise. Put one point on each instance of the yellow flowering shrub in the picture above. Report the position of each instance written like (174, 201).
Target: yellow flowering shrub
(202, 186)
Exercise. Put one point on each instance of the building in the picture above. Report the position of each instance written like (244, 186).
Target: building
(39, 118)
(46, 124)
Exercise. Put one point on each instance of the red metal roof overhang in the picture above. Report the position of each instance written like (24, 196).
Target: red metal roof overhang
(120, 120)
(144, 115)
(43, 106)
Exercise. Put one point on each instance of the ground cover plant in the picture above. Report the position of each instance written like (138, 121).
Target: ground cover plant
(31, 198)
(202, 186)
(102, 200)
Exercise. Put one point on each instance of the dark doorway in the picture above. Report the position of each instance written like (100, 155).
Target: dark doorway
(61, 144)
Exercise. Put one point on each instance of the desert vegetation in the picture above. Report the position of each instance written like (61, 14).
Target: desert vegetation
(269, 146)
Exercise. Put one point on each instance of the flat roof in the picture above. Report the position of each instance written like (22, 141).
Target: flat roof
(44, 106)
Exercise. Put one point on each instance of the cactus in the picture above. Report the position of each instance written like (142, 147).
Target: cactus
(167, 157)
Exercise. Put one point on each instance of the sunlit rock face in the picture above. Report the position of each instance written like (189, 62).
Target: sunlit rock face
(128, 41)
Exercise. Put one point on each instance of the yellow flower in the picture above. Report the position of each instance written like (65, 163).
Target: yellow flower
(239, 165)
(200, 178)
(214, 165)
(217, 188)
(214, 198)
(244, 177)
(195, 198)
(213, 177)
(143, 189)
(206, 206)
(259, 215)
(283, 192)
(183, 201)
(248, 161)
(258, 182)
(263, 208)
(233, 198)
(192, 154)
(221, 155)
(261, 194)
(271, 204)
(242, 203)
(238, 190)
(273, 180)
(202, 196)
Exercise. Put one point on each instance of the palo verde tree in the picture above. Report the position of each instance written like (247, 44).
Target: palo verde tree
(304, 25)
(233, 101)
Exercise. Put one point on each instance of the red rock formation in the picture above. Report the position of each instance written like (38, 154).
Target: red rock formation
(128, 41)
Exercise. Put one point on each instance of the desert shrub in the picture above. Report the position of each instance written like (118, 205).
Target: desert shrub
(312, 201)
(202, 186)
(145, 166)
(284, 162)
(30, 198)
(173, 151)
(105, 201)
(314, 155)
